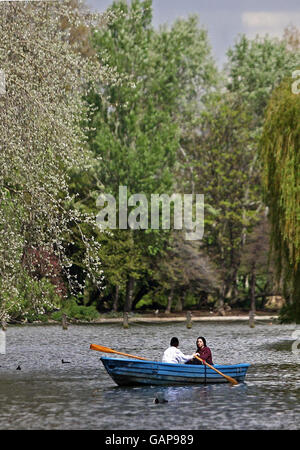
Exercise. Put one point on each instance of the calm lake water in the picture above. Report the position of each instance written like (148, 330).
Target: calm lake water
(48, 395)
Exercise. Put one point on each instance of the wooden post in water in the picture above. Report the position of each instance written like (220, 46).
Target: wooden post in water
(189, 322)
(64, 322)
(251, 319)
(3, 338)
(252, 305)
(125, 320)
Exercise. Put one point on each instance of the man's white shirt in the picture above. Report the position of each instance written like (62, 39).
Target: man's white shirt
(174, 355)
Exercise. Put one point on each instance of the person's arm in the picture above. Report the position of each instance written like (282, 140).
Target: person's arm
(181, 358)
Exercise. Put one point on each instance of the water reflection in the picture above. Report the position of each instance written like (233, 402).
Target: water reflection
(181, 394)
(203, 394)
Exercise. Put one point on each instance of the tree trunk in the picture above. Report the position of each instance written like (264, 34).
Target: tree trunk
(64, 322)
(139, 295)
(230, 287)
(129, 294)
(116, 298)
(170, 300)
(219, 305)
(252, 305)
(203, 297)
(253, 283)
(180, 303)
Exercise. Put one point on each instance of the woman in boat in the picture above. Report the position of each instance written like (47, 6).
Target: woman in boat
(174, 355)
(202, 351)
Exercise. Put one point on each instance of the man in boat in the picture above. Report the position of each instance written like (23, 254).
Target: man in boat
(174, 355)
(202, 351)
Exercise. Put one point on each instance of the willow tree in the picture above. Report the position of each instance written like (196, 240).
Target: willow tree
(280, 155)
(41, 140)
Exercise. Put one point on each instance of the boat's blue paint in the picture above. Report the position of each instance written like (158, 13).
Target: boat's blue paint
(132, 372)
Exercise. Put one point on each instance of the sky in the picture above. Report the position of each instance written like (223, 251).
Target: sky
(225, 19)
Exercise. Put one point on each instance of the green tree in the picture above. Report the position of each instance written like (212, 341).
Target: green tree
(256, 270)
(138, 122)
(223, 162)
(41, 137)
(183, 268)
(280, 157)
(255, 67)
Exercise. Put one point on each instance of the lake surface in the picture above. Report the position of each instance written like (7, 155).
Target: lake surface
(49, 395)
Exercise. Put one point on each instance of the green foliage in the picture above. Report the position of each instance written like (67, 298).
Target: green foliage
(190, 300)
(135, 137)
(280, 155)
(225, 175)
(31, 299)
(47, 75)
(151, 301)
(255, 67)
(156, 119)
(288, 314)
(74, 310)
(137, 123)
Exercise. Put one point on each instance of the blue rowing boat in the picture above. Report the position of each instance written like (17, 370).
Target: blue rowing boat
(130, 372)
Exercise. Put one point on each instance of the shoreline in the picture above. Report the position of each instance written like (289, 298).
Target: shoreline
(153, 319)
(195, 316)
(150, 318)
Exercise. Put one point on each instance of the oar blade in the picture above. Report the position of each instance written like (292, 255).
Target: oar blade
(231, 380)
(100, 348)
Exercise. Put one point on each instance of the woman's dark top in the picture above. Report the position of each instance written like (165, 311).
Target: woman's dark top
(205, 354)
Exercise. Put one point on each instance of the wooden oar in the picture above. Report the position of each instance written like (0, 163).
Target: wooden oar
(100, 348)
(231, 380)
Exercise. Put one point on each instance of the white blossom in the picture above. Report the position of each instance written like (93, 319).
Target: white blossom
(41, 136)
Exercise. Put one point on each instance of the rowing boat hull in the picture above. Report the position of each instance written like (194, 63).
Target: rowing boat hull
(129, 372)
